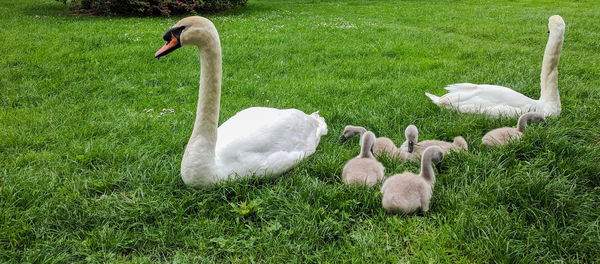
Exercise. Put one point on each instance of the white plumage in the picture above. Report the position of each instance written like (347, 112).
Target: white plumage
(256, 141)
(494, 100)
(261, 140)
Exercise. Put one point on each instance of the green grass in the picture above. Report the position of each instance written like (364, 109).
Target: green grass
(87, 175)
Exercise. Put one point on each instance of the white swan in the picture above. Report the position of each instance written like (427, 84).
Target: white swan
(494, 100)
(364, 169)
(256, 141)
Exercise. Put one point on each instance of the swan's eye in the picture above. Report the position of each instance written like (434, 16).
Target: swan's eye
(176, 31)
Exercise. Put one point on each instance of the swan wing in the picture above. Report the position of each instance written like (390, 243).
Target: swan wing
(262, 140)
(485, 98)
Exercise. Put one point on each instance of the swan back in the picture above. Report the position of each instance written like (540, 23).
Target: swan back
(261, 140)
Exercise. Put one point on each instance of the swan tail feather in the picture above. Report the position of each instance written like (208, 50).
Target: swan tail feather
(322, 130)
(434, 98)
(460, 143)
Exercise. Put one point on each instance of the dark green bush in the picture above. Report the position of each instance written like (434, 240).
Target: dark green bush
(153, 7)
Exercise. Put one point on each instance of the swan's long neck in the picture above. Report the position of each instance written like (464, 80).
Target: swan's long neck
(207, 113)
(198, 166)
(427, 169)
(549, 75)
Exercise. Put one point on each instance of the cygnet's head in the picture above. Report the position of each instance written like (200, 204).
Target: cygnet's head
(434, 153)
(351, 131)
(529, 118)
(190, 31)
(412, 136)
(556, 24)
(534, 117)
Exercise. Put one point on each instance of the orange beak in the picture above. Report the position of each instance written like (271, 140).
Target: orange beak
(168, 47)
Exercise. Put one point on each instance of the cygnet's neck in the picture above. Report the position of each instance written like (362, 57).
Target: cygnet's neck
(427, 169)
(365, 147)
(522, 123)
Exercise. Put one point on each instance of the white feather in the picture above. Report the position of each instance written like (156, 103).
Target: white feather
(494, 100)
(262, 140)
(256, 141)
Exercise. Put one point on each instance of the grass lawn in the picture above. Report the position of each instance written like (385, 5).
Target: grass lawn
(88, 173)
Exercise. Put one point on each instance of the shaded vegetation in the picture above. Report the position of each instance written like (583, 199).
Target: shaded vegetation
(152, 7)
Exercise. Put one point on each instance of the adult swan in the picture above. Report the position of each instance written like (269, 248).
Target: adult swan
(256, 141)
(496, 100)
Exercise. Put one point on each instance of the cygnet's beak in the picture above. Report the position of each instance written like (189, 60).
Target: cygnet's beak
(411, 146)
(438, 167)
(343, 139)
